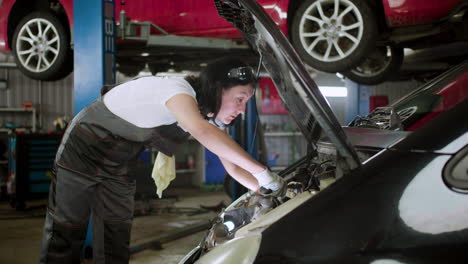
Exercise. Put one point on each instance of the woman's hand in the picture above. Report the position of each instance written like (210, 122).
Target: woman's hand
(271, 183)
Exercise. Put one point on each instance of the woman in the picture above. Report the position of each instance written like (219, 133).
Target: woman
(91, 176)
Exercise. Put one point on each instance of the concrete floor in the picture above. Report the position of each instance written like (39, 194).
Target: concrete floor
(20, 235)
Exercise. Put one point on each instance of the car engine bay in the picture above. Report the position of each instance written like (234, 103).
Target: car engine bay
(305, 179)
(250, 208)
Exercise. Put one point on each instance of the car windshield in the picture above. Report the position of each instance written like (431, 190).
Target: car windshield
(434, 98)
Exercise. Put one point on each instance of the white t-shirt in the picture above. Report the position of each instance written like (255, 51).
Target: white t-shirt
(142, 102)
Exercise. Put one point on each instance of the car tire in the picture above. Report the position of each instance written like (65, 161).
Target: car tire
(381, 65)
(334, 41)
(41, 47)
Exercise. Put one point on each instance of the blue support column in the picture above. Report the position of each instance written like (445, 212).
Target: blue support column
(94, 49)
(235, 186)
(214, 169)
(250, 141)
(94, 55)
(357, 102)
(251, 120)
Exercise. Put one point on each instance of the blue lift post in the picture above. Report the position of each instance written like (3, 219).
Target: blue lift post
(250, 142)
(357, 103)
(252, 128)
(94, 49)
(94, 55)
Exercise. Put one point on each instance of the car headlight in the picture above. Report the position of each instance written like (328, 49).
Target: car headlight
(241, 250)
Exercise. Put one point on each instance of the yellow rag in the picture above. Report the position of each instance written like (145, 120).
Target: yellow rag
(163, 172)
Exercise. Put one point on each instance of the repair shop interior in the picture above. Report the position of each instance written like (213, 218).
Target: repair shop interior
(233, 131)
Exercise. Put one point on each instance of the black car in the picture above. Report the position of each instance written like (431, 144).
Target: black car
(360, 195)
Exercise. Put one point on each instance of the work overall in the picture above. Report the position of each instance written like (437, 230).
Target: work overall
(91, 178)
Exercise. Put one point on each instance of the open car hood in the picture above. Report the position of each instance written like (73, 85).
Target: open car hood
(298, 92)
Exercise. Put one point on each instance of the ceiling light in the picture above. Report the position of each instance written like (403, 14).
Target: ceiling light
(333, 91)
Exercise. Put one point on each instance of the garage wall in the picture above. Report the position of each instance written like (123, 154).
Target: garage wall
(337, 104)
(54, 99)
(394, 90)
(51, 99)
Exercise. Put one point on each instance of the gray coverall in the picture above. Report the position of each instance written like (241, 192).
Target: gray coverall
(91, 179)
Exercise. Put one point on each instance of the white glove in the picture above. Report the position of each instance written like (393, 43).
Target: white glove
(270, 180)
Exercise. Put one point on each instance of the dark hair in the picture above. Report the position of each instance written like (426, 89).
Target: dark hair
(211, 82)
(106, 88)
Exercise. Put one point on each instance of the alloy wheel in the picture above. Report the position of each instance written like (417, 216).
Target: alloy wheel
(38, 45)
(331, 30)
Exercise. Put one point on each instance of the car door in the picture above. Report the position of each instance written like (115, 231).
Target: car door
(200, 18)
(194, 18)
(181, 17)
(414, 12)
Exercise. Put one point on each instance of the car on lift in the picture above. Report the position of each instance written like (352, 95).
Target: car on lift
(361, 38)
(39, 35)
(405, 204)
(421, 26)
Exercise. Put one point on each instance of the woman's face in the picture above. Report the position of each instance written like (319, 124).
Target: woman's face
(233, 102)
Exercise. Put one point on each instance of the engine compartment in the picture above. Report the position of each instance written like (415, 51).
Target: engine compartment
(254, 211)
(320, 168)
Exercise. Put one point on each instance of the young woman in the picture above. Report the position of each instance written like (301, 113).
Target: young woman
(91, 176)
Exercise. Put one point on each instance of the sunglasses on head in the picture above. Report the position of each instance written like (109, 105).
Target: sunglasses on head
(244, 73)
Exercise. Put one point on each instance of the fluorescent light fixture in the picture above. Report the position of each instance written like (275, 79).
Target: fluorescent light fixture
(333, 91)
(145, 54)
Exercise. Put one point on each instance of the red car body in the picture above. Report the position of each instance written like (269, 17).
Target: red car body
(414, 12)
(182, 17)
(452, 93)
(199, 18)
(196, 18)
(423, 104)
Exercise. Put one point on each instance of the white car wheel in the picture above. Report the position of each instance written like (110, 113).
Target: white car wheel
(333, 35)
(41, 47)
